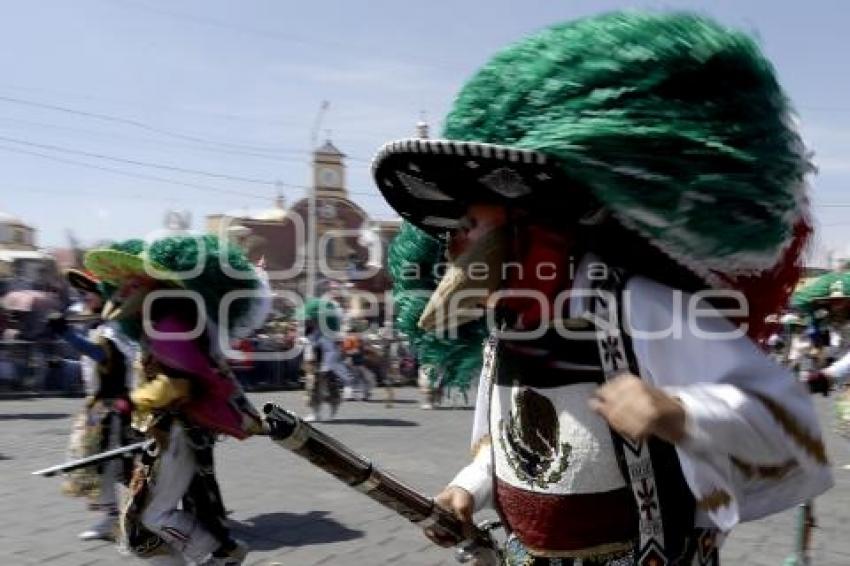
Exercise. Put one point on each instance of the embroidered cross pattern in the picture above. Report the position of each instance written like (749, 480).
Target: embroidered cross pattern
(646, 493)
(612, 353)
(641, 475)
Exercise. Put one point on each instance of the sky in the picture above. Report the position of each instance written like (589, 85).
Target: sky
(113, 112)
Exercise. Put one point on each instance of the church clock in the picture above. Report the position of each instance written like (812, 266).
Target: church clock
(329, 177)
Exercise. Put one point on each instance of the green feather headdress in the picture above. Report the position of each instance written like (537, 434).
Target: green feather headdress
(197, 263)
(673, 124)
(818, 293)
(412, 257)
(671, 121)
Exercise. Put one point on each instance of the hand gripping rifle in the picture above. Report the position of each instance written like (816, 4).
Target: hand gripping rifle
(292, 433)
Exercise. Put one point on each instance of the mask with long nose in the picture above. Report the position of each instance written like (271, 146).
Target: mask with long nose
(470, 279)
(126, 303)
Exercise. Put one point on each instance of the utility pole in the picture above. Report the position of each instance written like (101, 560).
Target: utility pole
(76, 249)
(310, 290)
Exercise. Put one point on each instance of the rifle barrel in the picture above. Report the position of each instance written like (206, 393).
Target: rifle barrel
(343, 463)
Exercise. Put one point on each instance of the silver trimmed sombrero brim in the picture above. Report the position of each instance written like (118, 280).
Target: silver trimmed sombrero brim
(81, 280)
(431, 182)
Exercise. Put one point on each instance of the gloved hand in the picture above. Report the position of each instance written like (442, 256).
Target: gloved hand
(57, 323)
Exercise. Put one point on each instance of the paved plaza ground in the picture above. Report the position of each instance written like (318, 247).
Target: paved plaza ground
(292, 514)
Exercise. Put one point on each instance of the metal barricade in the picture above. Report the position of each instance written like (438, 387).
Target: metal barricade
(38, 366)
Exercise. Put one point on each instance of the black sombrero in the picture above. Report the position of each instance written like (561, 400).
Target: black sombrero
(431, 182)
(82, 281)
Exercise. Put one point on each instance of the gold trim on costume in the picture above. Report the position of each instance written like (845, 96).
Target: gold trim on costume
(104, 368)
(764, 471)
(814, 446)
(602, 551)
(714, 500)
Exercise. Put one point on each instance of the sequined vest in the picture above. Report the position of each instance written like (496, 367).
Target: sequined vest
(566, 485)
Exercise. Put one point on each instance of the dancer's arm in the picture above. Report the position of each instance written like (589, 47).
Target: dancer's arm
(84, 346)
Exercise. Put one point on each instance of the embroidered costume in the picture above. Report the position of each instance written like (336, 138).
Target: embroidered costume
(642, 171)
(187, 394)
(107, 371)
(830, 294)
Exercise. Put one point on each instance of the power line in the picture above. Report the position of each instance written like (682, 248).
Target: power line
(212, 22)
(144, 198)
(243, 148)
(223, 115)
(177, 169)
(159, 166)
(100, 195)
(144, 126)
(132, 174)
(141, 163)
(339, 46)
(147, 103)
(159, 143)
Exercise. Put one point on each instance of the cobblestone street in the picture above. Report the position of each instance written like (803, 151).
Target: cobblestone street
(292, 514)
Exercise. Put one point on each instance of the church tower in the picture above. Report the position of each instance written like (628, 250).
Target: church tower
(329, 171)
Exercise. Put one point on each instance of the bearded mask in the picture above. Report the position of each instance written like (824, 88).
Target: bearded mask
(469, 280)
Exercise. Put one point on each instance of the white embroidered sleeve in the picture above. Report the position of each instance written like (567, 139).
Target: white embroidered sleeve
(723, 418)
(753, 444)
(739, 402)
(477, 479)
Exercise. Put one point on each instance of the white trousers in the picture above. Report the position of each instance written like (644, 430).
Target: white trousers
(162, 515)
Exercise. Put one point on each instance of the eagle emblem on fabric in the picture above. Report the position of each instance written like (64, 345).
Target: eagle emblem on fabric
(530, 440)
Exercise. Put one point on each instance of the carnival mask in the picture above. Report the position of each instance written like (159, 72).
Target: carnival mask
(470, 279)
(127, 302)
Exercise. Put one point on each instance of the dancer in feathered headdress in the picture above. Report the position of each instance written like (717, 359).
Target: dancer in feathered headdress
(608, 188)
(107, 371)
(182, 297)
(325, 367)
